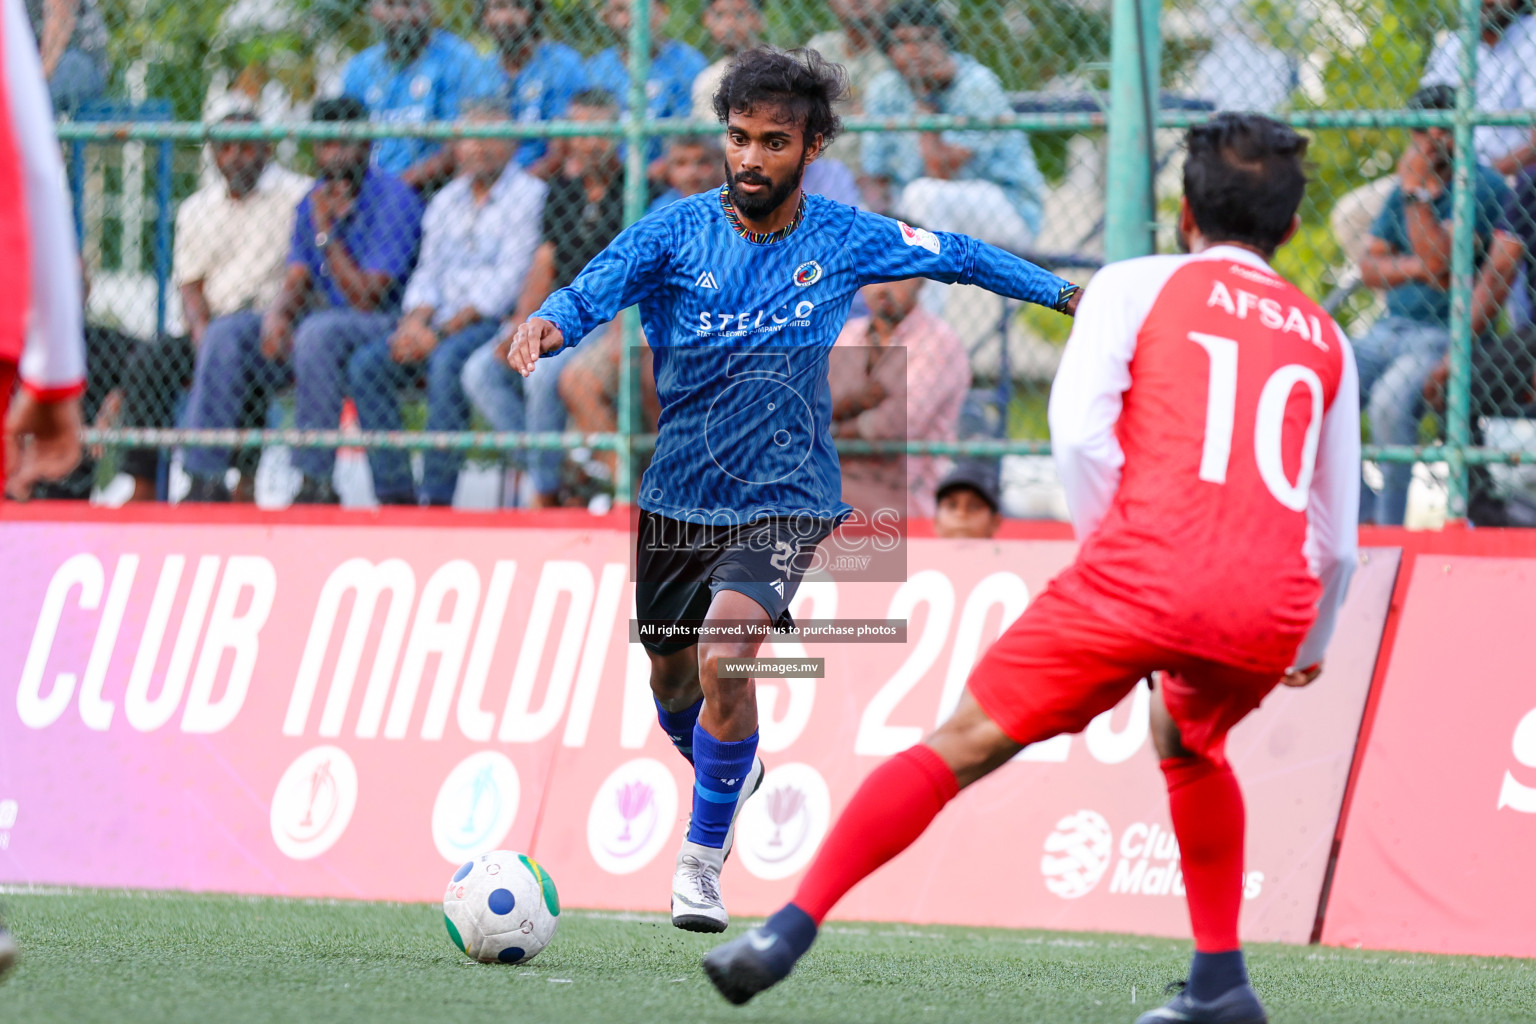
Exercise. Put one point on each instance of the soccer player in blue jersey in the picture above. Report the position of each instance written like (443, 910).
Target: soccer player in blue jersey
(742, 292)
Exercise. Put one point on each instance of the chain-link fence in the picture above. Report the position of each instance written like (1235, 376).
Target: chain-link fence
(254, 333)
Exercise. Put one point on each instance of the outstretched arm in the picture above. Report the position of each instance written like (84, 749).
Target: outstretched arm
(623, 274)
(890, 250)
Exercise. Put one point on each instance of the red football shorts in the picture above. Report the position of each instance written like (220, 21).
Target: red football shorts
(1061, 664)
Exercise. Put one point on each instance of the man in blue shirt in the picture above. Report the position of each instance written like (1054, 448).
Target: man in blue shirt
(674, 66)
(979, 183)
(1409, 257)
(743, 291)
(354, 243)
(537, 77)
(418, 73)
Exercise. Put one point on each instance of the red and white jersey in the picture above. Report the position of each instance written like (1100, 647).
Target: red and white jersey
(1206, 426)
(41, 319)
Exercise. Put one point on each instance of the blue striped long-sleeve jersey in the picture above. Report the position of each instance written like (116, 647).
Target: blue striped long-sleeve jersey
(741, 333)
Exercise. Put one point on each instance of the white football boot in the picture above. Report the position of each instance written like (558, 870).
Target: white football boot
(697, 905)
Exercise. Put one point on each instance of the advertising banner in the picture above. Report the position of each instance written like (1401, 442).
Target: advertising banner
(1438, 853)
(343, 711)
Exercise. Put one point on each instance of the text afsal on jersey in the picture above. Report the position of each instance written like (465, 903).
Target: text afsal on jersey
(1277, 317)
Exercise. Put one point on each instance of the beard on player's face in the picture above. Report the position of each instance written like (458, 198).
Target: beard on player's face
(763, 203)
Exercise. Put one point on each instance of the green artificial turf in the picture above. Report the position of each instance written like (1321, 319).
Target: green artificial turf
(163, 958)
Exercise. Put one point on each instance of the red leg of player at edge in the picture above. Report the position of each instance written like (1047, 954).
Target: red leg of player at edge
(892, 807)
(1207, 809)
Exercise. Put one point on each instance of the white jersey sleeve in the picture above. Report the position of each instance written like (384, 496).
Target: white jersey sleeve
(53, 359)
(1333, 507)
(1095, 372)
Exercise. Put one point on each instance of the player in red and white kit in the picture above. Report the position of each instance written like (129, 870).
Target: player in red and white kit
(41, 334)
(1205, 423)
(40, 314)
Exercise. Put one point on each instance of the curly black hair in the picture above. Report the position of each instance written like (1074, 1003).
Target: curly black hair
(801, 85)
(1244, 177)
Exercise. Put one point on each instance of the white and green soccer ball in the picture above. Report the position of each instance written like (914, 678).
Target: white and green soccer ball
(501, 907)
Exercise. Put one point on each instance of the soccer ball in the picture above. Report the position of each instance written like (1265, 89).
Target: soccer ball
(501, 908)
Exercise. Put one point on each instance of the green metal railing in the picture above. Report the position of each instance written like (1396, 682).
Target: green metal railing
(1132, 125)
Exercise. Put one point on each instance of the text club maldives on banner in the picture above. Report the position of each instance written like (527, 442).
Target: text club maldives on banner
(1438, 854)
(337, 711)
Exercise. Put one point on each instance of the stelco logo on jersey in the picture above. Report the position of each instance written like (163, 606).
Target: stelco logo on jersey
(726, 324)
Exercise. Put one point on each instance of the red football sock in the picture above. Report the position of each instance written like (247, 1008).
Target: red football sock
(1207, 809)
(887, 814)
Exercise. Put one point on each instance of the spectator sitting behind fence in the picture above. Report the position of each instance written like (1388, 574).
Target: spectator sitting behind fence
(72, 41)
(1409, 257)
(858, 44)
(695, 163)
(228, 265)
(354, 242)
(898, 374)
(537, 76)
(583, 212)
(1506, 80)
(968, 505)
(478, 239)
(417, 73)
(674, 66)
(978, 183)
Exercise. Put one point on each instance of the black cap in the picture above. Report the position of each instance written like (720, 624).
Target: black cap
(977, 476)
(1433, 97)
(338, 108)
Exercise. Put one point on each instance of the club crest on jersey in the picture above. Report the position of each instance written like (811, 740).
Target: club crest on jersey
(707, 280)
(807, 274)
(917, 236)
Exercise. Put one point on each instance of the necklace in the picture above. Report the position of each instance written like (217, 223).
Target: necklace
(758, 237)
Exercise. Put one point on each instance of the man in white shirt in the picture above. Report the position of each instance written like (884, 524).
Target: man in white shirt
(479, 237)
(231, 248)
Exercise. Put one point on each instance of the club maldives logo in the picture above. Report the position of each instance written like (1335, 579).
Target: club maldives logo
(782, 826)
(807, 274)
(475, 807)
(1079, 851)
(313, 802)
(1077, 854)
(632, 816)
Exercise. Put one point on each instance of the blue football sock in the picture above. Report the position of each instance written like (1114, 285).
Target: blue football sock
(678, 725)
(720, 768)
(1213, 975)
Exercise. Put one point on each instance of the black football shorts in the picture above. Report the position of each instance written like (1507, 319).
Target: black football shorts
(679, 566)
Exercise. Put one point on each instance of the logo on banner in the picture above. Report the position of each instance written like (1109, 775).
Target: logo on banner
(313, 802)
(475, 806)
(1513, 794)
(782, 826)
(632, 816)
(1077, 854)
